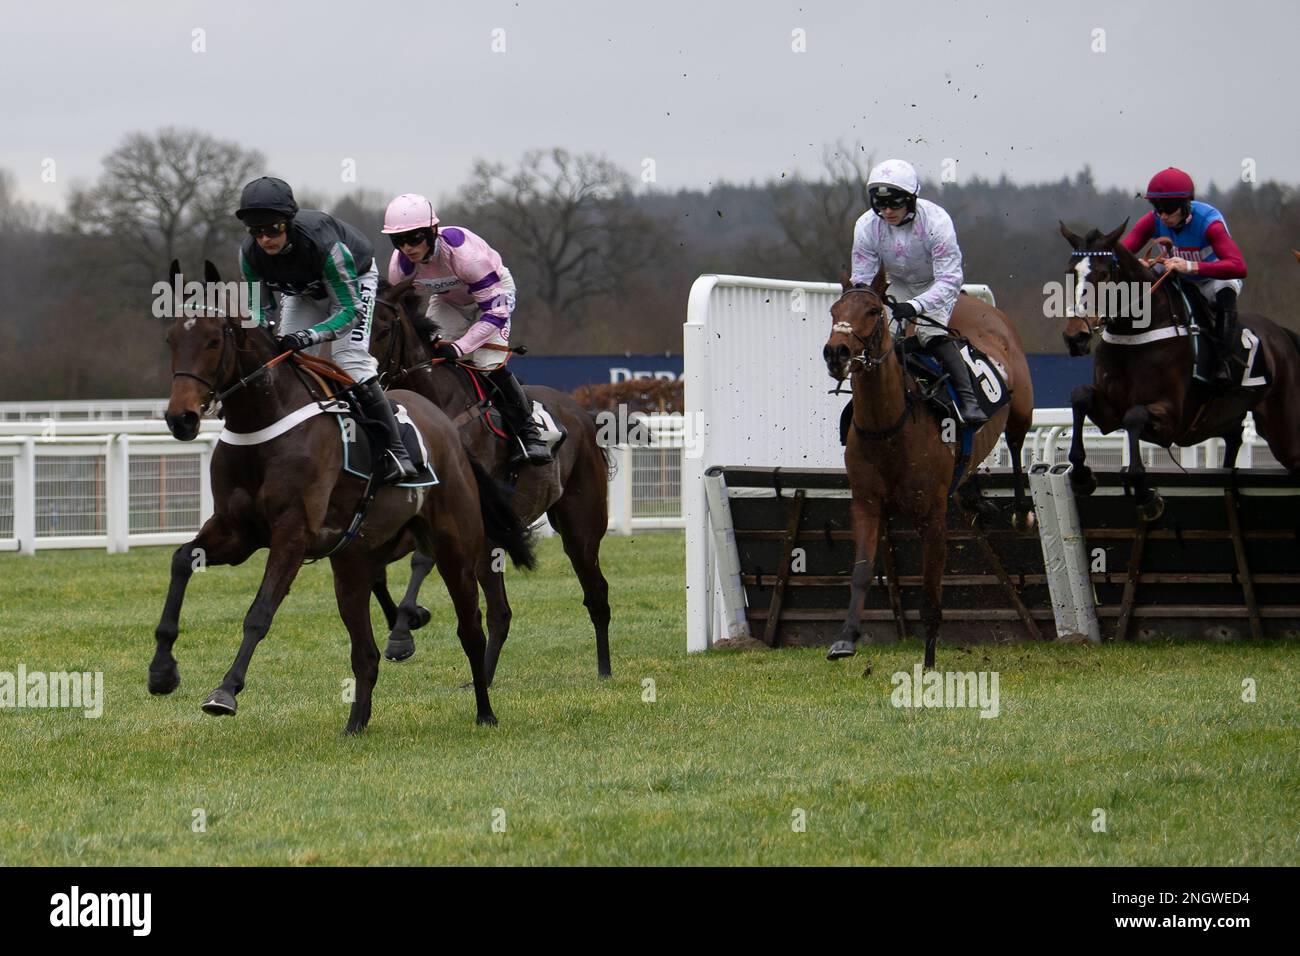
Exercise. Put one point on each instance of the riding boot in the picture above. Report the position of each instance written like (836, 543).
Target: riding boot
(517, 410)
(968, 406)
(396, 464)
(1225, 304)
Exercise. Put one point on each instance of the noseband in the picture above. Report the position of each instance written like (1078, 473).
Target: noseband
(212, 397)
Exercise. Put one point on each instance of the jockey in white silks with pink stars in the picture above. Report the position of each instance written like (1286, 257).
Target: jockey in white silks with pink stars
(914, 240)
(472, 296)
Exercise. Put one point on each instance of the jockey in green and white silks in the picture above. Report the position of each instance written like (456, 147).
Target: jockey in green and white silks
(324, 271)
(914, 240)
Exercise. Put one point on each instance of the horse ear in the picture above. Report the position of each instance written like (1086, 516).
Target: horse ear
(210, 273)
(173, 271)
(1071, 238)
(881, 282)
(1296, 254)
(1113, 237)
(846, 281)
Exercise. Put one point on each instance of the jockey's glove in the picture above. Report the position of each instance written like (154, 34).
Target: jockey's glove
(445, 350)
(294, 341)
(904, 310)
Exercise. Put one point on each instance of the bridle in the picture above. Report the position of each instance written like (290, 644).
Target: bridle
(1102, 321)
(213, 397)
(867, 358)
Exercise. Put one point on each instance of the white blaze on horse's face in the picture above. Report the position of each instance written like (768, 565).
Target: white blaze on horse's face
(1081, 269)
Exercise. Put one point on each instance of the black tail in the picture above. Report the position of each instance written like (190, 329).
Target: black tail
(502, 525)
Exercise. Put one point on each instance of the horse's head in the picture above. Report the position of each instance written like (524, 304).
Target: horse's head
(202, 343)
(1094, 262)
(393, 304)
(859, 328)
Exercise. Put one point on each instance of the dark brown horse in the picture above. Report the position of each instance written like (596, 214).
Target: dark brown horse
(896, 456)
(1142, 372)
(286, 492)
(573, 492)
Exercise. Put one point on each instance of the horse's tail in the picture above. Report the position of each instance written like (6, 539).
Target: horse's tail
(500, 522)
(611, 465)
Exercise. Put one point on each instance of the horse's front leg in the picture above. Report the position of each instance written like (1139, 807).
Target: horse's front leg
(218, 542)
(352, 570)
(934, 554)
(1082, 480)
(1150, 505)
(282, 565)
(866, 527)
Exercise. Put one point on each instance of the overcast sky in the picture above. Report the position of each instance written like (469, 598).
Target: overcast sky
(414, 92)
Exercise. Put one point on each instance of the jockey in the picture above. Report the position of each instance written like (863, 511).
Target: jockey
(325, 273)
(1203, 251)
(914, 240)
(473, 296)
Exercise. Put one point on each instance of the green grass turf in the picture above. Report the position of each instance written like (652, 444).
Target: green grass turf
(586, 771)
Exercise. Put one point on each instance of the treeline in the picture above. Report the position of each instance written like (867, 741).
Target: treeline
(603, 261)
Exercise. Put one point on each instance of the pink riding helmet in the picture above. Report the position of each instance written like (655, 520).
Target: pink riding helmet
(407, 212)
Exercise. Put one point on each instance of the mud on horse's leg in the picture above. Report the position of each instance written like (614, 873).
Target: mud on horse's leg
(866, 526)
(1082, 480)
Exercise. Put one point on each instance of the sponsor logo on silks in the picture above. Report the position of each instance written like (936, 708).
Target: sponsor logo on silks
(134, 910)
(438, 285)
(36, 690)
(942, 689)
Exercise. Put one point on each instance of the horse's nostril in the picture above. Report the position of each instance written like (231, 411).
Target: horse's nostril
(842, 353)
(826, 353)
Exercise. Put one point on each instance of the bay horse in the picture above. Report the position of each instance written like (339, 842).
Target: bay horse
(895, 455)
(1142, 373)
(573, 492)
(285, 490)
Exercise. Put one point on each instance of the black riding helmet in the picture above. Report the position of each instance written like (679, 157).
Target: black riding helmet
(266, 200)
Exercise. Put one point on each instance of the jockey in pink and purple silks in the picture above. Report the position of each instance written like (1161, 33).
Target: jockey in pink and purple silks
(472, 297)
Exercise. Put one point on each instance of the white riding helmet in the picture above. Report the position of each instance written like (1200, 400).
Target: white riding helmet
(895, 174)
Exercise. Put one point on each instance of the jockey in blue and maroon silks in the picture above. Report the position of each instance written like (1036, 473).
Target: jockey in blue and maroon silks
(1203, 251)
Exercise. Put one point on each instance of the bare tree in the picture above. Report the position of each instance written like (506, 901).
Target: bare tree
(171, 195)
(569, 222)
(816, 218)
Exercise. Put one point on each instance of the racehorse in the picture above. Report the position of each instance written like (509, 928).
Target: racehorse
(1142, 372)
(284, 490)
(573, 492)
(896, 456)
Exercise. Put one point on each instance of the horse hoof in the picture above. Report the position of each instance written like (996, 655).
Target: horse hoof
(220, 703)
(486, 720)
(399, 649)
(352, 729)
(422, 617)
(1083, 484)
(839, 649)
(1152, 508)
(165, 681)
(604, 673)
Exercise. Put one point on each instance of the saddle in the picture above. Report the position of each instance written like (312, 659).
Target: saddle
(360, 433)
(550, 430)
(936, 393)
(1208, 351)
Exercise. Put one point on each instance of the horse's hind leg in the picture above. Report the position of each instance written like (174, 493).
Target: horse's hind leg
(410, 614)
(1232, 445)
(218, 542)
(1022, 516)
(493, 582)
(934, 554)
(582, 527)
(287, 551)
(380, 590)
(352, 571)
(866, 528)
